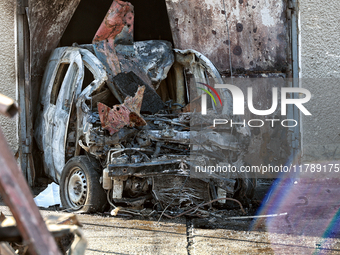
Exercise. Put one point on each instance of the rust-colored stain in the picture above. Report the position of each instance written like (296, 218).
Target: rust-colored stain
(120, 15)
(123, 115)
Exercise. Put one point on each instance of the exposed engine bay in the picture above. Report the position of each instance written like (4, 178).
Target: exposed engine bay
(147, 158)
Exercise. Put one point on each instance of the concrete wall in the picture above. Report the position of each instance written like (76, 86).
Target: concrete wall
(7, 66)
(320, 73)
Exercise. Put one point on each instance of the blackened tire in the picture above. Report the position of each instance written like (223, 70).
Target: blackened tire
(80, 189)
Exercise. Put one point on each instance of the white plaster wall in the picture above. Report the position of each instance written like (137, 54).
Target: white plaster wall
(7, 66)
(320, 73)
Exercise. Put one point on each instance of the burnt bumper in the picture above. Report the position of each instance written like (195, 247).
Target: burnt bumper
(146, 168)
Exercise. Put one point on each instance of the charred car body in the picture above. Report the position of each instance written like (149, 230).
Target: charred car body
(114, 124)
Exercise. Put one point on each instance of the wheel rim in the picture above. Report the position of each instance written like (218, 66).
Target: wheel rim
(76, 188)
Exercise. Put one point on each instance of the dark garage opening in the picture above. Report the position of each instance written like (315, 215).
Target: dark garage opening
(151, 21)
(85, 22)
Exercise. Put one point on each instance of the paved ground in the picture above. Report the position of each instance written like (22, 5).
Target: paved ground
(309, 226)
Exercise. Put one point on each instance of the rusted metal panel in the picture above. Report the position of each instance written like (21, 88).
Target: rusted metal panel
(115, 118)
(126, 114)
(117, 27)
(118, 20)
(257, 32)
(106, 53)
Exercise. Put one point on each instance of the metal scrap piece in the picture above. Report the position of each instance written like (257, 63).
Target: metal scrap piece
(149, 60)
(123, 115)
(113, 45)
(106, 53)
(135, 103)
(156, 58)
(115, 118)
(117, 24)
(117, 27)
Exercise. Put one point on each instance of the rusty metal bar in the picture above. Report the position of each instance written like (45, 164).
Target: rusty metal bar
(17, 196)
(21, 81)
(26, 102)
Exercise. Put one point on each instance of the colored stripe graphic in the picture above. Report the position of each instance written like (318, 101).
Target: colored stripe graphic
(208, 94)
(213, 90)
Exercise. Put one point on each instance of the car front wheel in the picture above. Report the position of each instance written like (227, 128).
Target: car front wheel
(80, 189)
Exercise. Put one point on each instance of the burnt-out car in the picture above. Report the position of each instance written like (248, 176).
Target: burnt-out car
(116, 127)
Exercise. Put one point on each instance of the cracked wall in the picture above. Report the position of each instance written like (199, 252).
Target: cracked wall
(7, 66)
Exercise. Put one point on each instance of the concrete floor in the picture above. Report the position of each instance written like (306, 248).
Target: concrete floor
(310, 228)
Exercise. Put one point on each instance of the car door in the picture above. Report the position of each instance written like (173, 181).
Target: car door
(61, 112)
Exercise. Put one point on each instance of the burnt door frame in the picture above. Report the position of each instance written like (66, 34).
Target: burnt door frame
(25, 124)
